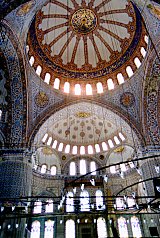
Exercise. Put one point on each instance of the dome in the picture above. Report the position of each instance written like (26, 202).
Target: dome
(85, 44)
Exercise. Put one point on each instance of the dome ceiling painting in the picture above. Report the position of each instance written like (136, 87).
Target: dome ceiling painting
(84, 124)
(71, 35)
(78, 40)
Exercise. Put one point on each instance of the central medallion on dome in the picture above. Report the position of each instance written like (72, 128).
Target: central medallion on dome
(84, 21)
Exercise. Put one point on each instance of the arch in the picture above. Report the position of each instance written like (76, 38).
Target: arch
(38, 70)
(75, 150)
(70, 229)
(136, 230)
(67, 149)
(31, 60)
(99, 87)
(84, 201)
(129, 71)
(69, 202)
(72, 168)
(18, 109)
(99, 200)
(56, 83)
(88, 89)
(35, 229)
(77, 89)
(122, 226)
(43, 168)
(93, 167)
(110, 84)
(53, 170)
(83, 169)
(49, 206)
(143, 52)
(49, 229)
(120, 78)
(37, 207)
(137, 62)
(47, 78)
(66, 87)
(101, 228)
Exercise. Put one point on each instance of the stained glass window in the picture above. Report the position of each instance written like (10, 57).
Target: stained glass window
(35, 230)
(136, 230)
(49, 229)
(122, 226)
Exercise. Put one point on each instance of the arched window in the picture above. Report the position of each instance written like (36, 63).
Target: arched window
(120, 203)
(93, 167)
(84, 201)
(104, 146)
(37, 207)
(143, 52)
(90, 149)
(136, 230)
(113, 169)
(110, 84)
(70, 229)
(27, 49)
(49, 206)
(101, 228)
(146, 39)
(97, 148)
(110, 143)
(88, 89)
(54, 144)
(47, 78)
(121, 136)
(49, 141)
(69, 202)
(31, 61)
(116, 140)
(49, 229)
(53, 170)
(137, 62)
(99, 87)
(131, 202)
(66, 87)
(82, 150)
(43, 168)
(120, 78)
(74, 150)
(60, 147)
(72, 169)
(122, 226)
(38, 70)
(44, 138)
(77, 89)
(82, 166)
(0, 114)
(67, 149)
(99, 200)
(56, 83)
(35, 229)
(123, 167)
(129, 71)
